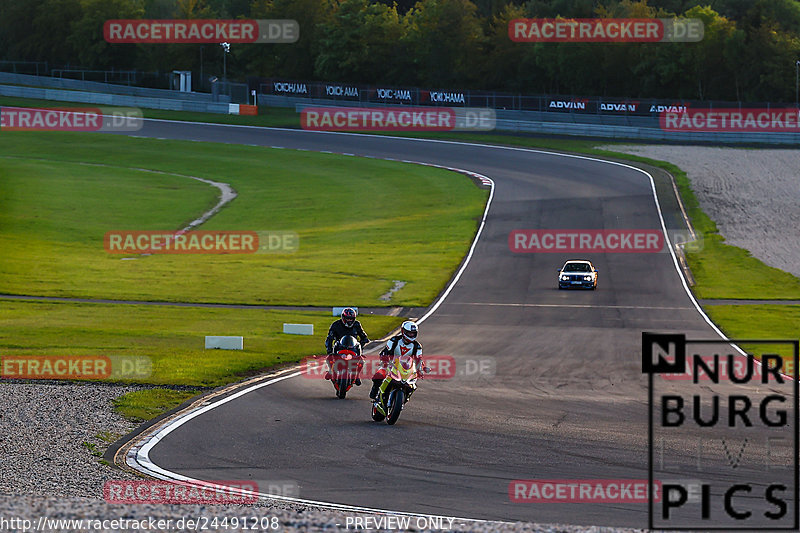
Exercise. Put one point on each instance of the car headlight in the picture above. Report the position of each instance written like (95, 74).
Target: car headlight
(587, 278)
(564, 278)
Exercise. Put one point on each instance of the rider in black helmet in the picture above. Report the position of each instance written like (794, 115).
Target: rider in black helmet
(346, 326)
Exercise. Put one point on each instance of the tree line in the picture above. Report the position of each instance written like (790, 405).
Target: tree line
(748, 52)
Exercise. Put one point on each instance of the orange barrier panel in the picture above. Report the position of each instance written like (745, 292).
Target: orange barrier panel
(248, 109)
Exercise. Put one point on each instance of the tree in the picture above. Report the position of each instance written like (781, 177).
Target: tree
(86, 37)
(49, 31)
(445, 43)
(288, 60)
(362, 42)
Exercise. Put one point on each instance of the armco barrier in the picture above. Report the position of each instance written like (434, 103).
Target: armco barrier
(109, 88)
(544, 123)
(580, 125)
(113, 99)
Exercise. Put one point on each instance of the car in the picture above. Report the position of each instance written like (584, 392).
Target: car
(578, 273)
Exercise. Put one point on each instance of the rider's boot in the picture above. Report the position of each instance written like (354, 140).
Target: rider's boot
(376, 385)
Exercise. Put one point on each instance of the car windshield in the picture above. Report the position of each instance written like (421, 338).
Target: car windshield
(577, 267)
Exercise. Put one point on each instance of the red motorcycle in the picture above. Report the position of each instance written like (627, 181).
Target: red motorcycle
(345, 365)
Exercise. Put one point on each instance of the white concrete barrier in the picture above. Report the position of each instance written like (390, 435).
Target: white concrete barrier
(298, 329)
(337, 311)
(233, 109)
(224, 343)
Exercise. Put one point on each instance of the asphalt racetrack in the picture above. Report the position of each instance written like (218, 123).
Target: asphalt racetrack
(566, 397)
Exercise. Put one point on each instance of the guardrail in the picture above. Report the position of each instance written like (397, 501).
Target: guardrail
(579, 125)
(85, 97)
(536, 122)
(109, 88)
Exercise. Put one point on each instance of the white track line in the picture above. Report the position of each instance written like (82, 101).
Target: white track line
(576, 306)
(140, 459)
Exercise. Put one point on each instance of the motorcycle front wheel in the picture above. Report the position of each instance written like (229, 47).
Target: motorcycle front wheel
(396, 400)
(342, 388)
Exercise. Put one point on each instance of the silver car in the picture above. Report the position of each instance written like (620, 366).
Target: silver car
(577, 273)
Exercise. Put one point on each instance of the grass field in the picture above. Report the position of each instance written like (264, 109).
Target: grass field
(170, 337)
(779, 322)
(361, 223)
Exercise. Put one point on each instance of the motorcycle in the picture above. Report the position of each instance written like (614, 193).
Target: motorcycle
(345, 366)
(396, 389)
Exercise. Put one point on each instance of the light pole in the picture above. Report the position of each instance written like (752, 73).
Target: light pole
(226, 47)
(796, 81)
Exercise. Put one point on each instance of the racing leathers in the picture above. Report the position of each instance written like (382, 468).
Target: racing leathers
(338, 330)
(396, 346)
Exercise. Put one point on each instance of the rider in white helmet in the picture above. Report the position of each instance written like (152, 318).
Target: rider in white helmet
(402, 344)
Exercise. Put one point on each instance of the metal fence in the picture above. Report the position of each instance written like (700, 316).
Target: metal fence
(128, 77)
(236, 93)
(37, 68)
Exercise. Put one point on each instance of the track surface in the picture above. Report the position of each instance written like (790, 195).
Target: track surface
(568, 400)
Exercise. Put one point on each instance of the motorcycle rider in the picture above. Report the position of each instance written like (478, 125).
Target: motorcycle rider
(345, 326)
(396, 346)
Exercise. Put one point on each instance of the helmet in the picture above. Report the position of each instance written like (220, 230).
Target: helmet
(348, 342)
(349, 316)
(409, 331)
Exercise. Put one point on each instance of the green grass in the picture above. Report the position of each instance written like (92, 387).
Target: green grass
(361, 223)
(757, 321)
(779, 322)
(145, 404)
(171, 338)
